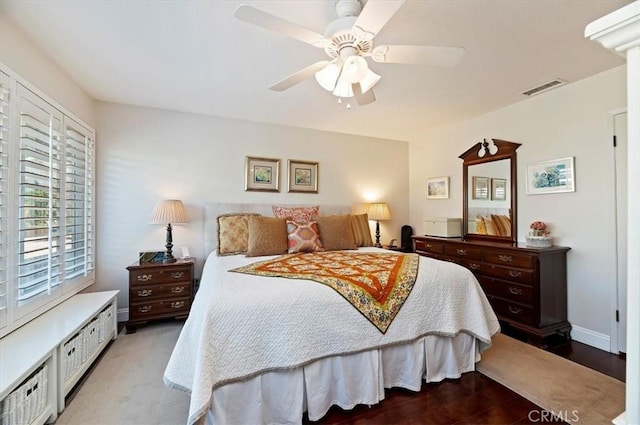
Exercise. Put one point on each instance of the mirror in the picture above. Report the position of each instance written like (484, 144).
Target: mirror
(489, 191)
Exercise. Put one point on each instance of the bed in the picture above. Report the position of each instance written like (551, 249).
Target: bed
(259, 349)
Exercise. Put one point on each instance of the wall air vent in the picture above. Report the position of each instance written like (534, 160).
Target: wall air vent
(545, 87)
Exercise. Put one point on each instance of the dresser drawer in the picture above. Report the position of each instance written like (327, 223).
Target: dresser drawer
(507, 273)
(150, 276)
(508, 290)
(508, 258)
(429, 246)
(463, 251)
(144, 292)
(154, 309)
(514, 311)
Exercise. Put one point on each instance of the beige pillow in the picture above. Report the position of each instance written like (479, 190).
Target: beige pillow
(233, 233)
(361, 230)
(502, 223)
(335, 232)
(488, 223)
(267, 236)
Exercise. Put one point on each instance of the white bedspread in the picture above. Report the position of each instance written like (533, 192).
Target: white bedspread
(241, 325)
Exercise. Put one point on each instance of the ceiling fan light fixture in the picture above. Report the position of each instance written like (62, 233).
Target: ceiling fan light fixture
(328, 77)
(369, 80)
(354, 69)
(343, 88)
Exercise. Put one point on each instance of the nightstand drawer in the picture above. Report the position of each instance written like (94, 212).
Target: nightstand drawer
(140, 293)
(159, 275)
(160, 308)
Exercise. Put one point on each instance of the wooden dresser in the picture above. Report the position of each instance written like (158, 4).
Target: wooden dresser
(159, 291)
(526, 286)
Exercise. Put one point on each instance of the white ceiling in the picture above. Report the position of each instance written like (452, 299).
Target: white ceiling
(194, 56)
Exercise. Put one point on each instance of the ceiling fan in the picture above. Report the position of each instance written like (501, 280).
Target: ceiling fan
(348, 40)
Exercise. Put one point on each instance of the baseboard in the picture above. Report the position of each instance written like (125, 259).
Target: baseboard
(592, 338)
(123, 315)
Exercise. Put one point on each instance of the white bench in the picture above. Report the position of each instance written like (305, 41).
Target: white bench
(46, 357)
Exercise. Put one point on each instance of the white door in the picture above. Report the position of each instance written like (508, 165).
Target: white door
(621, 160)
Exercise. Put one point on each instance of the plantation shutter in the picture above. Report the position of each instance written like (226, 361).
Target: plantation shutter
(79, 147)
(39, 270)
(4, 195)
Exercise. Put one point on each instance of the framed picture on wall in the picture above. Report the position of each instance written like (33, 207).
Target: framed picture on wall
(498, 189)
(480, 188)
(551, 176)
(303, 176)
(262, 174)
(438, 188)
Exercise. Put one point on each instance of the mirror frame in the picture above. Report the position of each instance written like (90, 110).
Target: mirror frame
(506, 150)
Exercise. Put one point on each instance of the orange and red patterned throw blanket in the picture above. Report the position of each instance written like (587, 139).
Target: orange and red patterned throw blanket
(376, 284)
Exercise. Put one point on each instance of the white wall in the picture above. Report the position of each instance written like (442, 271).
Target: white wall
(570, 121)
(20, 54)
(144, 155)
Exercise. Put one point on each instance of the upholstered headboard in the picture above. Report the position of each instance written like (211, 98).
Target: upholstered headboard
(213, 210)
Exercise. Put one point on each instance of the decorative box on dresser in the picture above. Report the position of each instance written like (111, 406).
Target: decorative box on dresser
(159, 291)
(526, 286)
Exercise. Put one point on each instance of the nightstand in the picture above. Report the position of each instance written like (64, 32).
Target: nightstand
(159, 291)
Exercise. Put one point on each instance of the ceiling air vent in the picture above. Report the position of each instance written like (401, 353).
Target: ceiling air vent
(545, 87)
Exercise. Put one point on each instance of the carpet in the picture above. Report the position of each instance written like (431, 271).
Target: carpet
(577, 393)
(126, 387)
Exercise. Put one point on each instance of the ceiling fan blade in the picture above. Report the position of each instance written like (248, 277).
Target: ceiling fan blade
(299, 76)
(266, 20)
(418, 55)
(376, 13)
(363, 98)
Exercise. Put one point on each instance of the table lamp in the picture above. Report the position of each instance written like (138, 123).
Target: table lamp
(167, 212)
(378, 211)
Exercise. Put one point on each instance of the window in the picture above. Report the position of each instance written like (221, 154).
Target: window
(46, 205)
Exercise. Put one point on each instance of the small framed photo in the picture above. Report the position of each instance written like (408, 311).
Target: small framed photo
(303, 176)
(262, 174)
(552, 176)
(438, 188)
(498, 189)
(480, 187)
(147, 257)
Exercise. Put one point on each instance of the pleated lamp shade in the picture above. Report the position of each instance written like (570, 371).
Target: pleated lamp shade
(169, 211)
(379, 211)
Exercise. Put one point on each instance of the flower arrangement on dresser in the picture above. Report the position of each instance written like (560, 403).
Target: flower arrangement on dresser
(539, 235)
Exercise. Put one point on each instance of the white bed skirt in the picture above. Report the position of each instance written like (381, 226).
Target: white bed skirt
(281, 397)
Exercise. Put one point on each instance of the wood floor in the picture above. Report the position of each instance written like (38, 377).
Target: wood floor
(472, 399)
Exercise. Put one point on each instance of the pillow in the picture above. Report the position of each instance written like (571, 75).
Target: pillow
(491, 228)
(303, 237)
(233, 233)
(335, 232)
(481, 229)
(502, 223)
(297, 214)
(267, 236)
(361, 230)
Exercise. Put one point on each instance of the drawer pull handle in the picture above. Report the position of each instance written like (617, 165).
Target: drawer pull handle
(145, 277)
(505, 258)
(514, 310)
(474, 266)
(177, 304)
(145, 292)
(428, 245)
(144, 308)
(514, 273)
(461, 251)
(177, 290)
(177, 275)
(515, 291)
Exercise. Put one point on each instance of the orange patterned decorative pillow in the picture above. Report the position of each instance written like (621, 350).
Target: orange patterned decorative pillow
(303, 237)
(502, 223)
(361, 230)
(297, 214)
